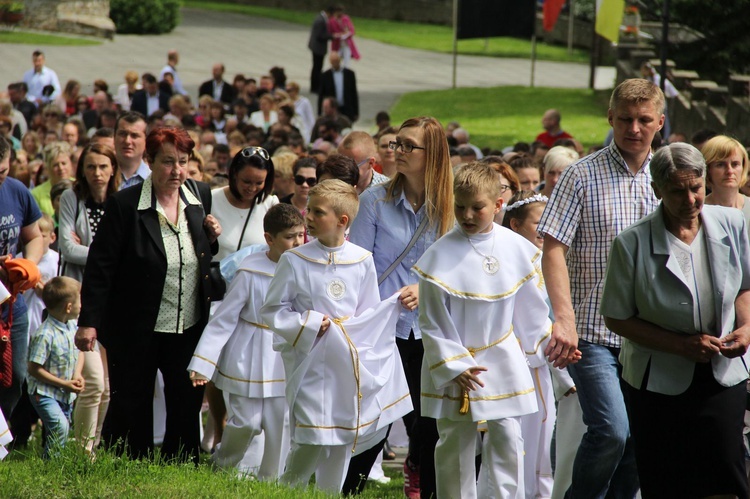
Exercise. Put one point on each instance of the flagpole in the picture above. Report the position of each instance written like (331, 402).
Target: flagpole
(455, 40)
(570, 27)
(594, 50)
(533, 55)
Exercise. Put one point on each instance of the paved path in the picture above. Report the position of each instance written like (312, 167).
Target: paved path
(251, 46)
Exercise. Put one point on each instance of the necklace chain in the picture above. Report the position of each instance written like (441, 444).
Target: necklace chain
(479, 252)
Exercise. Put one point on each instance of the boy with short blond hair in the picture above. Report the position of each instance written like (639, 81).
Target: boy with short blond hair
(324, 306)
(470, 283)
(236, 352)
(54, 362)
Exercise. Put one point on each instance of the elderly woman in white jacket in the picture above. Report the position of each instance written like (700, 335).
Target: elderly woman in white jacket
(678, 291)
(81, 210)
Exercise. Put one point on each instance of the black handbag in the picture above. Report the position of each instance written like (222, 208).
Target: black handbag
(218, 286)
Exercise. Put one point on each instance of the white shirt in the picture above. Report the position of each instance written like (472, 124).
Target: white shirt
(338, 83)
(233, 219)
(37, 81)
(152, 103)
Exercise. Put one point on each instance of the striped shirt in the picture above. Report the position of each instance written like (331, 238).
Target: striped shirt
(594, 200)
(53, 348)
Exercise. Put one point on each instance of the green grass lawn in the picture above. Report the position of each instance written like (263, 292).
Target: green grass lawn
(25, 37)
(501, 116)
(412, 35)
(24, 474)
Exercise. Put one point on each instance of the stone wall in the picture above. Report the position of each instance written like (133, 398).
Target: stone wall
(701, 104)
(82, 17)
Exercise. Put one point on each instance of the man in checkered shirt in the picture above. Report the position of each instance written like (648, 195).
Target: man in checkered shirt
(595, 199)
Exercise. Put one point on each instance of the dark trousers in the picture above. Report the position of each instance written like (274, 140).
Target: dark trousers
(689, 445)
(317, 70)
(132, 373)
(422, 431)
(359, 469)
(23, 418)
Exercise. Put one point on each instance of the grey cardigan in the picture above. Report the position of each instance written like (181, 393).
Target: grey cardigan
(73, 218)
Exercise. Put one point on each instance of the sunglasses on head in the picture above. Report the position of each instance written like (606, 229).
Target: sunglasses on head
(299, 180)
(249, 152)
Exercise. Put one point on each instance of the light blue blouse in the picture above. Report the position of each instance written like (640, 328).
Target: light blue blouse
(385, 228)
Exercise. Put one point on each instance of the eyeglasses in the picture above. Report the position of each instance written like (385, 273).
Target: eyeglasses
(363, 162)
(504, 187)
(405, 148)
(249, 152)
(299, 180)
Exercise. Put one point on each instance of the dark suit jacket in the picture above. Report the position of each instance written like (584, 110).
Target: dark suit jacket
(227, 91)
(350, 109)
(90, 118)
(126, 268)
(140, 102)
(319, 35)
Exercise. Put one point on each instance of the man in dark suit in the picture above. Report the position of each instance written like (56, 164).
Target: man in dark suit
(318, 45)
(217, 88)
(149, 99)
(18, 92)
(102, 101)
(340, 83)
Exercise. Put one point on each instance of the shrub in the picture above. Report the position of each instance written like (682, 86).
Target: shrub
(145, 16)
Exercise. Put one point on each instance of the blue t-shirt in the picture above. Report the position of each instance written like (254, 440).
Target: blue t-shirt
(17, 210)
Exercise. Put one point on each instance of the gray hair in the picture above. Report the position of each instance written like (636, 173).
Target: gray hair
(673, 158)
(559, 157)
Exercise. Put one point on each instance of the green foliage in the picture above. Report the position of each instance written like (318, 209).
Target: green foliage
(145, 16)
(726, 47)
(501, 116)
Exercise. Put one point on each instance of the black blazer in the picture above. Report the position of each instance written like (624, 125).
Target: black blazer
(140, 102)
(126, 267)
(350, 109)
(227, 91)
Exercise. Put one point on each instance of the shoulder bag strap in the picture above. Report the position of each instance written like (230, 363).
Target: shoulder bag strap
(412, 242)
(242, 235)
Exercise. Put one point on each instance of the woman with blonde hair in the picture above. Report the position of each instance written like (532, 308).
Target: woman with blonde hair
(58, 165)
(397, 222)
(726, 172)
(126, 90)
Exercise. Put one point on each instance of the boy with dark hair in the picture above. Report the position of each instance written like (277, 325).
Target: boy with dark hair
(236, 353)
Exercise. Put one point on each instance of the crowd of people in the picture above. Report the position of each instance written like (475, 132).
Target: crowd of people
(375, 277)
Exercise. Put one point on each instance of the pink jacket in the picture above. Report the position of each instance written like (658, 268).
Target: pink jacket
(336, 26)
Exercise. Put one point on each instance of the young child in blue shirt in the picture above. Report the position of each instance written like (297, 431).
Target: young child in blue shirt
(54, 362)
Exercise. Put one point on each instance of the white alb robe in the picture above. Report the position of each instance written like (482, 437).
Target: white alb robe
(470, 318)
(236, 348)
(348, 384)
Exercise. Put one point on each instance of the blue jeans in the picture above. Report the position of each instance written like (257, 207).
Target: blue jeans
(605, 463)
(56, 418)
(19, 340)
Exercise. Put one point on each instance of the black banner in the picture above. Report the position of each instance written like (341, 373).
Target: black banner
(490, 18)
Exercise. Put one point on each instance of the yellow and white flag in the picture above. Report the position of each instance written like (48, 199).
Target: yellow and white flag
(608, 18)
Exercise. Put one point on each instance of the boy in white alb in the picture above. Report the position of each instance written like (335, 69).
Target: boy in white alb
(470, 282)
(48, 266)
(345, 382)
(236, 353)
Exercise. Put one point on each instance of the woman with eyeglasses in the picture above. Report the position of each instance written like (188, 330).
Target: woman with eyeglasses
(241, 205)
(397, 222)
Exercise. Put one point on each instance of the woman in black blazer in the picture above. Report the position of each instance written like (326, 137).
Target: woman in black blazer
(145, 297)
